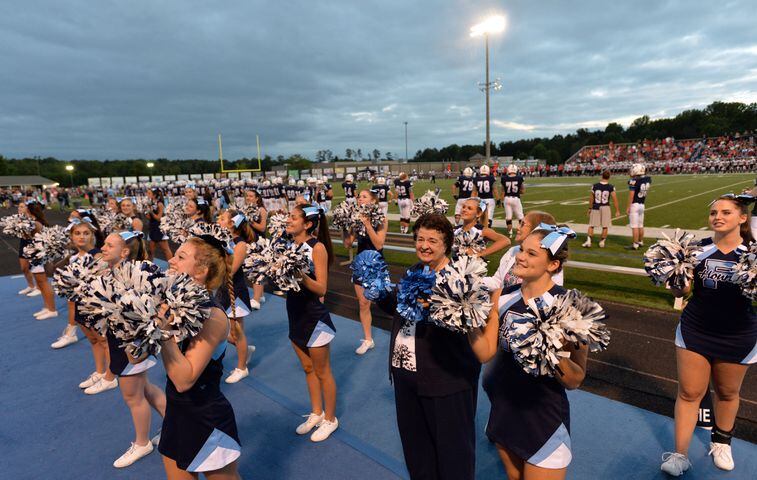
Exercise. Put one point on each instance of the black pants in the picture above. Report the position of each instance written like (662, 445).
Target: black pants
(438, 433)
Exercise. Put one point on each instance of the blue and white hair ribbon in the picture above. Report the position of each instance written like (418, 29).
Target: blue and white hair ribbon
(128, 236)
(311, 211)
(238, 219)
(556, 238)
(78, 221)
(121, 199)
(84, 211)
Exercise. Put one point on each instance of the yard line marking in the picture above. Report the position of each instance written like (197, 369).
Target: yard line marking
(703, 228)
(665, 226)
(686, 198)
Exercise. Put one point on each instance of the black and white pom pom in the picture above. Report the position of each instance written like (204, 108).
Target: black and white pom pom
(188, 303)
(176, 204)
(81, 269)
(277, 224)
(21, 226)
(143, 204)
(49, 246)
(468, 242)
(342, 217)
(119, 223)
(429, 203)
(371, 210)
(250, 211)
(176, 225)
(259, 257)
(288, 264)
(671, 262)
(98, 302)
(745, 272)
(537, 338)
(460, 301)
(105, 219)
(221, 234)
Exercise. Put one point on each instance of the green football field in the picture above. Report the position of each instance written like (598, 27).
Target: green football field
(673, 200)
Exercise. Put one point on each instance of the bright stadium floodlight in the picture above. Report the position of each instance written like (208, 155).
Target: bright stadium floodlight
(150, 164)
(70, 170)
(493, 24)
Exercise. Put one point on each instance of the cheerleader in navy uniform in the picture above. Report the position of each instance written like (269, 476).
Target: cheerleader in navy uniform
(239, 226)
(310, 326)
(529, 421)
(716, 338)
(473, 214)
(368, 239)
(31, 290)
(35, 210)
(127, 207)
(157, 238)
(252, 197)
(198, 210)
(199, 433)
(137, 391)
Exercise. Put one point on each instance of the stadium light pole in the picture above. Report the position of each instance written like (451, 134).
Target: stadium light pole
(494, 24)
(70, 170)
(405, 142)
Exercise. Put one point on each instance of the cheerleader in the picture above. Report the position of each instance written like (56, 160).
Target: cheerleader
(716, 338)
(157, 238)
(198, 210)
(369, 238)
(112, 205)
(472, 214)
(31, 289)
(199, 433)
(137, 391)
(252, 197)
(35, 210)
(127, 207)
(239, 226)
(540, 448)
(310, 326)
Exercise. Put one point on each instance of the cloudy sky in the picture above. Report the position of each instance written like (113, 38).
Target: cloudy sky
(128, 79)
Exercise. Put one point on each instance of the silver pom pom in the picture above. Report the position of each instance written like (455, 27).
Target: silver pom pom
(98, 302)
(280, 262)
(105, 219)
(176, 225)
(81, 269)
(671, 262)
(189, 304)
(49, 246)
(429, 203)
(468, 242)
(21, 226)
(342, 217)
(250, 211)
(223, 235)
(277, 224)
(460, 301)
(259, 257)
(176, 204)
(745, 272)
(371, 210)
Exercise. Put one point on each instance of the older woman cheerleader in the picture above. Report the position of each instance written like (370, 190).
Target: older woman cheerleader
(310, 327)
(368, 238)
(199, 433)
(716, 338)
(473, 215)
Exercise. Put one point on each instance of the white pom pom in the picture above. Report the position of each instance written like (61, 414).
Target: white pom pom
(21, 226)
(745, 272)
(469, 242)
(429, 203)
(460, 301)
(49, 246)
(671, 262)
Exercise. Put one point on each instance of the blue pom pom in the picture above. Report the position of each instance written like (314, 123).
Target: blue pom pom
(372, 273)
(414, 285)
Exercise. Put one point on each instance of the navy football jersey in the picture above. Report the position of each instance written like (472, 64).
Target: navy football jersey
(381, 192)
(291, 192)
(512, 185)
(640, 187)
(601, 192)
(349, 189)
(403, 189)
(485, 186)
(464, 186)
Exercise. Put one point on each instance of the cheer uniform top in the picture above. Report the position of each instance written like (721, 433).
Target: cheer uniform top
(530, 416)
(153, 229)
(199, 430)
(310, 323)
(241, 293)
(718, 322)
(23, 243)
(512, 185)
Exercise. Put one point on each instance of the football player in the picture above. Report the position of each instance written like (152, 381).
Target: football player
(512, 188)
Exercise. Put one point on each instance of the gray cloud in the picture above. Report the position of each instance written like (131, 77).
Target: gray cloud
(161, 79)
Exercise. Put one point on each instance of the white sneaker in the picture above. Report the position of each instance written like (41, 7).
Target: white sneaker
(92, 379)
(25, 291)
(721, 456)
(34, 293)
(602, 243)
(102, 385)
(365, 345)
(237, 375)
(312, 421)
(325, 429)
(44, 310)
(250, 351)
(255, 304)
(587, 243)
(68, 337)
(674, 464)
(134, 453)
(156, 439)
(48, 314)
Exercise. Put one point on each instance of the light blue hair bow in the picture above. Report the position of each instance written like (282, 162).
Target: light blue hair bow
(312, 211)
(238, 219)
(78, 221)
(127, 236)
(121, 199)
(556, 238)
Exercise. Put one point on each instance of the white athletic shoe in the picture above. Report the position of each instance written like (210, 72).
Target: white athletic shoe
(156, 439)
(587, 243)
(602, 243)
(25, 291)
(44, 310)
(34, 293)
(255, 304)
(102, 385)
(675, 464)
(250, 352)
(721, 456)
(134, 453)
(47, 315)
(365, 345)
(92, 379)
(325, 429)
(67, 338)
(237, 375)
(312, 421)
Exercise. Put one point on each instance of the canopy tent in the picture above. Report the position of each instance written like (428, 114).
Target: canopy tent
(25, 181)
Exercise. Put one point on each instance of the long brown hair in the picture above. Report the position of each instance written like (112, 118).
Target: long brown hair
(745, 229)
(561, 255)
(37, 211)
(244, 230)
(219, 267)
(318, 224)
